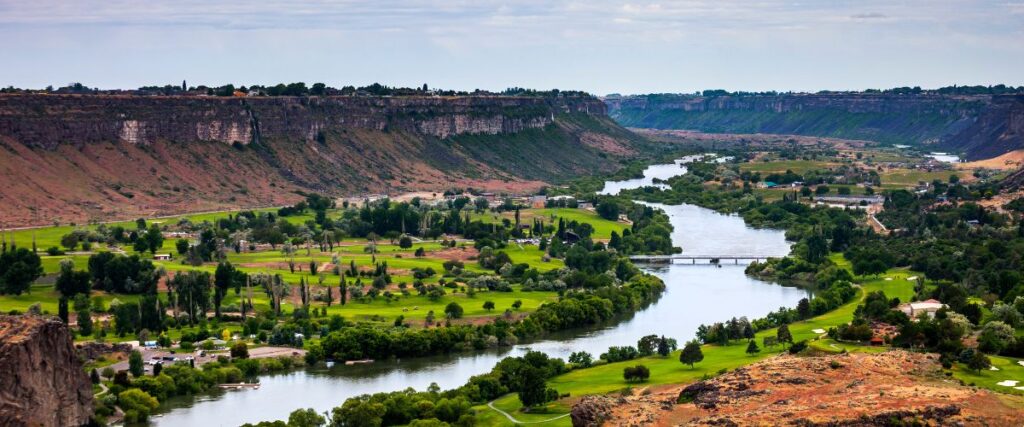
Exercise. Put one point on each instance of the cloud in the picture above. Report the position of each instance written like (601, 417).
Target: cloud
(869, 15)
(489, 37)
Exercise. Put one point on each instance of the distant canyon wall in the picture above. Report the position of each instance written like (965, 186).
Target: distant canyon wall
(977, 126)
(49, 120)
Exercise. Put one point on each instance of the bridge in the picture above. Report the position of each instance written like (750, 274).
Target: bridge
(714, 259)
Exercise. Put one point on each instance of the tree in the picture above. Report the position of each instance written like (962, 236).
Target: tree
(83, 309)
(343, 290)
(803, 308)
(223, 278)
(358, 412)
(978, 361)
(663, 347)
(405, 242)
(154, 238)
(192, 289)
(239, 350)
(783, 335)
(70, 283)
(581, 359)
(453, 310)
(19, 267)
(306, 417)
(182, 246)
(517, 304)
(488, 305)
(135, 364)
(691, 354)
(608, 209)
(94, 376)
(637, 373)
(752, 348)
(533, 389)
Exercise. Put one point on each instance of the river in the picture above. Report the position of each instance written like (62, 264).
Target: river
(695, 294)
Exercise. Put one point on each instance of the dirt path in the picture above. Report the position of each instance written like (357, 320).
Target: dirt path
(512, 419)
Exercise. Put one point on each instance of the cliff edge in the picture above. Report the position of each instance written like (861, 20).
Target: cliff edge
(43, 383)
(104, 157)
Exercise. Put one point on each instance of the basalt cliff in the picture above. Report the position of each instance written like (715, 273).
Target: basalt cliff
(42, 381)
(95, 157)
(978, 126)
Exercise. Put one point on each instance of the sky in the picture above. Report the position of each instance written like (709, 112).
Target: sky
(600, 46)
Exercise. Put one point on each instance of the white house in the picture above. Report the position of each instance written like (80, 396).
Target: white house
(914, 309)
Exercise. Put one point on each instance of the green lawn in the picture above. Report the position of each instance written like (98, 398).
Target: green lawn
(902, 178)
(781, 166)
(1008, 369)
(400, 264)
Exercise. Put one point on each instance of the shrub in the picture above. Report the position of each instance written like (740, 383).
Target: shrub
(239, 350)
(137, 405)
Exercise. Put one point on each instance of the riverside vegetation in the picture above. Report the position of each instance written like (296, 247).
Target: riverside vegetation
(558, 272)
(860, 275)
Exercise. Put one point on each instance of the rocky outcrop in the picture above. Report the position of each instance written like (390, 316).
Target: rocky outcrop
(94, 350)
(891, 388)
(591, 411)
(979, 126)
(43, 383)
(51, 120)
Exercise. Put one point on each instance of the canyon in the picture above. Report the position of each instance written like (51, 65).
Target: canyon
(978, 126)
(99, 157)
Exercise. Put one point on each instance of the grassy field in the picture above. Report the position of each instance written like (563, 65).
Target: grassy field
(602, 227)
(46, 237)
(401, 262)
(1008, 369)
(902, 178)
(781, 166)
(668, 370)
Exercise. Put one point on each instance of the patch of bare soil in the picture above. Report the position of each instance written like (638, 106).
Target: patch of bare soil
(835, 390)
(464, 254)
(1009, 161)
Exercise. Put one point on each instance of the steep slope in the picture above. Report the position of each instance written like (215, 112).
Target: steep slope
(43, 383)
(979, 126)
(76, 158)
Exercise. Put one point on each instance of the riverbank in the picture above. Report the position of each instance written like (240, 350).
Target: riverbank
(667, 370)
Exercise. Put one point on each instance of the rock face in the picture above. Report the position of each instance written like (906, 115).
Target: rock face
(100, 157)
(43, 383)
(591, 411)
(979, 126)
(51, 120)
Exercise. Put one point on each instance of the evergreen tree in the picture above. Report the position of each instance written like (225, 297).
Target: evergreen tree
(752, 348)
(663, 347)
(783, 335)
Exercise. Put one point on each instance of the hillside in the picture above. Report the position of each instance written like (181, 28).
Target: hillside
(979, 126)
(892, 388)
(95, 157)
